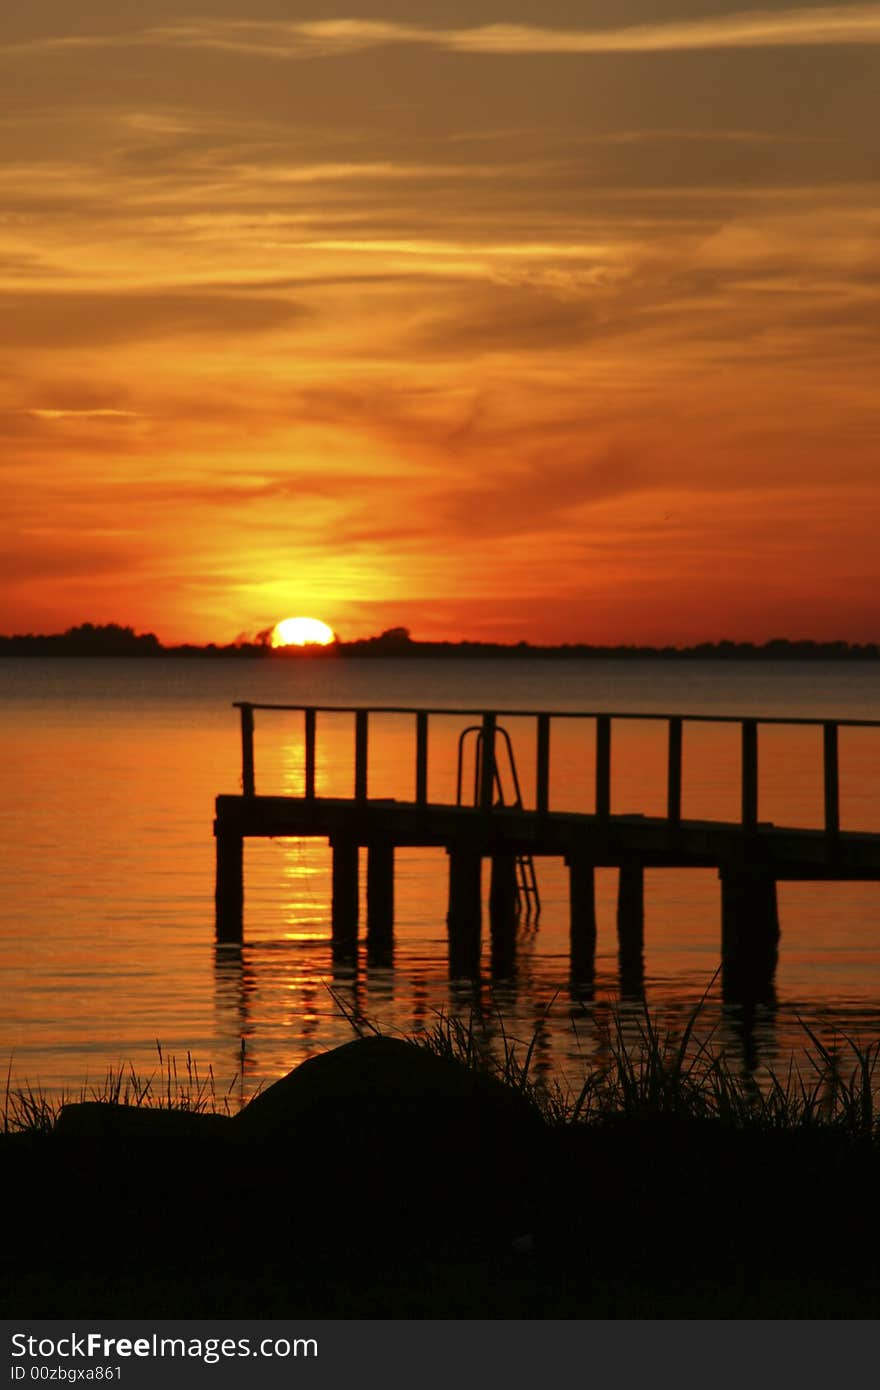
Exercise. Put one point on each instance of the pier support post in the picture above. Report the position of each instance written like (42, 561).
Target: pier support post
(465, 915)
(380, 895)
(502, 912)
(749, 933)
(582, 917)
(229, 885)
(345, 892)
(631, 928)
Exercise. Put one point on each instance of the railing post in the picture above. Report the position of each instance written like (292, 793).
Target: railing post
(487, 764)
(247, 750)
(422, 757)
(542, 770)
(749, 773)
(832, 778)
(673, 777)
(310, 753)
(361, 735)
(603, 766)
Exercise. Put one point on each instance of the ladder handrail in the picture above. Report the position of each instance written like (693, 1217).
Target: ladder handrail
(478, 763)
(526, 881)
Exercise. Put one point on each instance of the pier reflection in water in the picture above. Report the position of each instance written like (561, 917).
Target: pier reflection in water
(265, 997)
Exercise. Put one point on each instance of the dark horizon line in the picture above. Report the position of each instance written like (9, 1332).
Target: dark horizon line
(112, 640)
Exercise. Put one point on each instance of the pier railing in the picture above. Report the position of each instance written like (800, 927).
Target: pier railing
(543, 724)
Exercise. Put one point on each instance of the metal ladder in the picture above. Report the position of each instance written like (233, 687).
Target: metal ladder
(528, 899)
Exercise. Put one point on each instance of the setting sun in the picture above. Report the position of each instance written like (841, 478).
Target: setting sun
(302, 632)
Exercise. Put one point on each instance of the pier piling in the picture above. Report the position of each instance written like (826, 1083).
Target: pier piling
(582, 917)
(344, 919)
(631, 927)
(229, 891)
(465, 915)
(503, 912)
(380, 894)
(749, 932)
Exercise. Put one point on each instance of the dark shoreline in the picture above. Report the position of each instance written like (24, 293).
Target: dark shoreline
(382, 1181)
(674, 1221)
(116, 642)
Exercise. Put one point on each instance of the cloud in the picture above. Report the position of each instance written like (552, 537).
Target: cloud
(847, 24)
(550, 492)
(98, 413)
(54, 553)
(63, 319)
(795, 27)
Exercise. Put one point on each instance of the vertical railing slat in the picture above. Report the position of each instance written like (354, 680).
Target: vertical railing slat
(673, 772)
(310, 723)
(247, 750)
(422, 757)
(361, 737)
(603, 766)
(542, 768)
(487, 764)
(831, 767)
(749, 773)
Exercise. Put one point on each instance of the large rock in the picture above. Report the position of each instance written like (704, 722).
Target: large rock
(416, 1137)
(382, 1090)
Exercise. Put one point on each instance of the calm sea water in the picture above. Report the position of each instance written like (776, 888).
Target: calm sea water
(110, 770)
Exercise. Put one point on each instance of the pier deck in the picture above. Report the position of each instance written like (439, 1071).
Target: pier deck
(787, 853)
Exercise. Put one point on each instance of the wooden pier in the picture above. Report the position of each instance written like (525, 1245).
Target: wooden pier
(750, 856)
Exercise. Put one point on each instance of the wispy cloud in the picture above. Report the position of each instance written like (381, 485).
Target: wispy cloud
(749, 29)
(795, 27)
(75, 319)
(100, 413)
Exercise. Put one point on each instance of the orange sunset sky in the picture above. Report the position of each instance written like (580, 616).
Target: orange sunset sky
(503, 320)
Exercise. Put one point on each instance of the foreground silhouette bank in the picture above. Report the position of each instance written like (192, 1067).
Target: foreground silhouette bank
(379, 1180)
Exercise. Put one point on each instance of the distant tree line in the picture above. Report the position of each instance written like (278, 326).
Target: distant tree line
(113, 640)
(85, 640)
(396, 641)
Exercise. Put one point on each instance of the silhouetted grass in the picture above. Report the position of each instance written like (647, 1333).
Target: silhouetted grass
(652, 1071)
(29, 1109)
(676, 1074)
